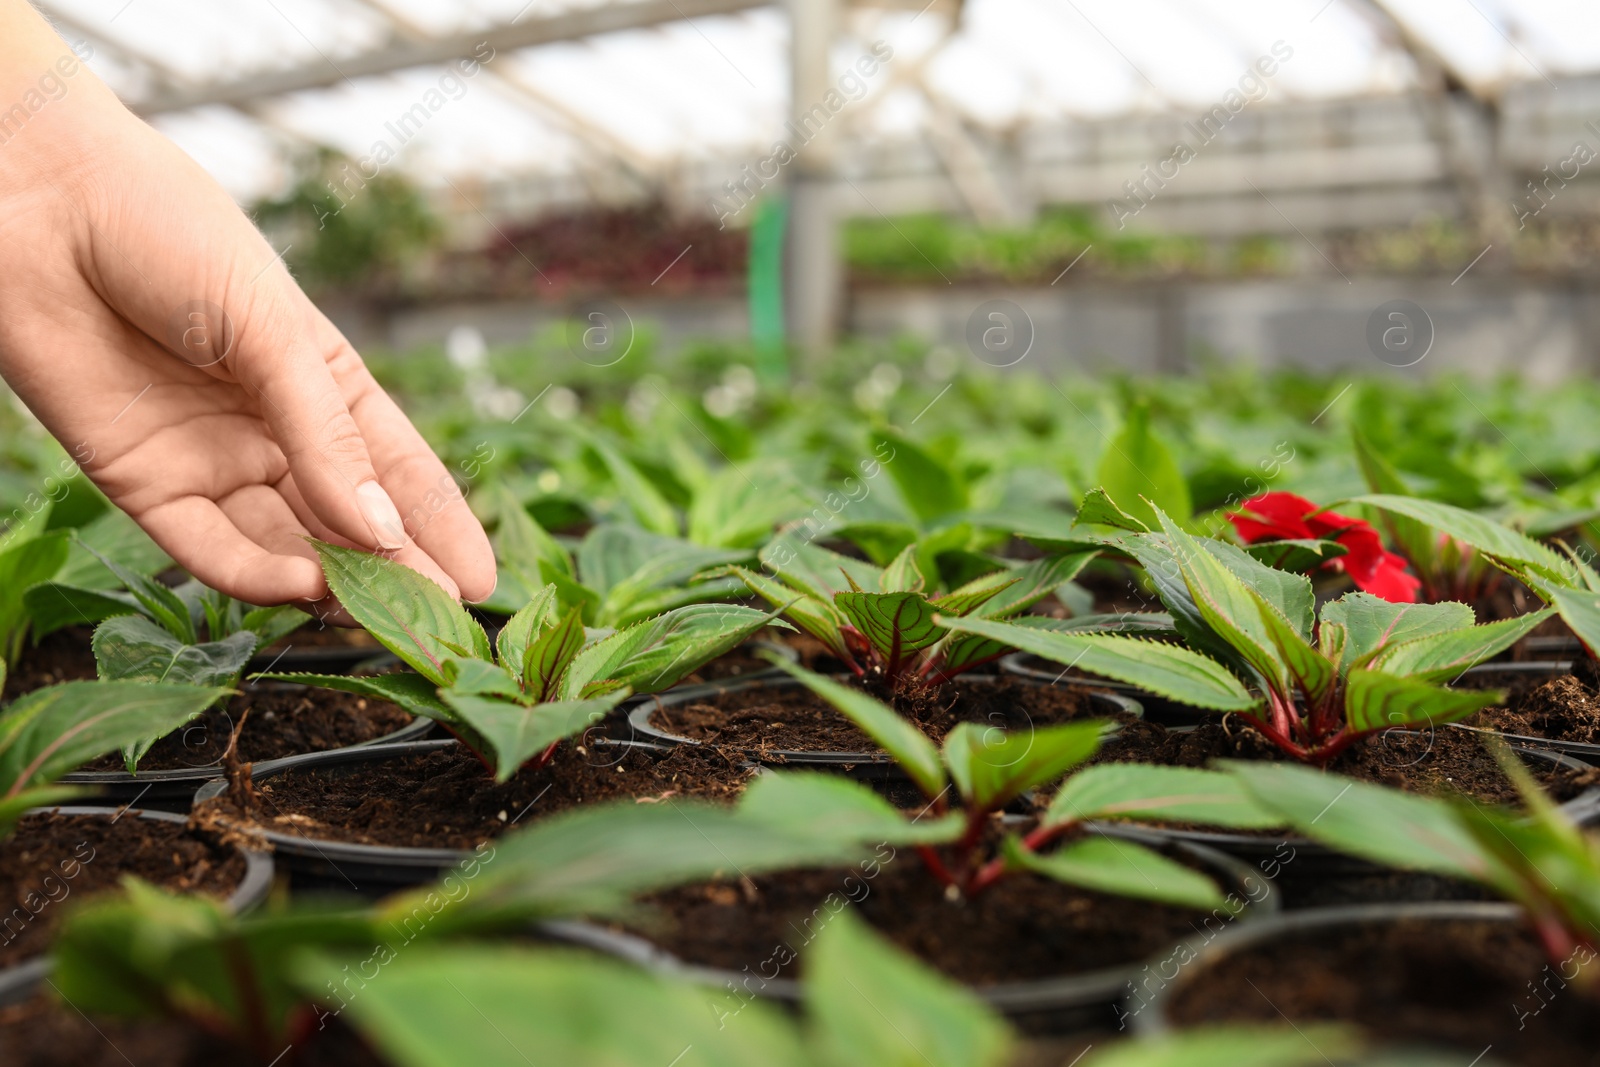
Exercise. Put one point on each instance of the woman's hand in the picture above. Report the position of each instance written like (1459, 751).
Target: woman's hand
(155, 333)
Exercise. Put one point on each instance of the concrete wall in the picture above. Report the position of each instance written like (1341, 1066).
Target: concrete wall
(1546, 331)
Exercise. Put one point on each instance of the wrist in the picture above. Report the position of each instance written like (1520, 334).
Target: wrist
(47, 98)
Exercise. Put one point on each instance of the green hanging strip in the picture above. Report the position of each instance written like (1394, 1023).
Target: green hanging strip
(766, 290)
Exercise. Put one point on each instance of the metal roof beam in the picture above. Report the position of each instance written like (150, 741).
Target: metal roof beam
(404, 55)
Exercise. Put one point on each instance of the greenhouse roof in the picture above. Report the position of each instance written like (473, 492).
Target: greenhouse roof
(652, 87)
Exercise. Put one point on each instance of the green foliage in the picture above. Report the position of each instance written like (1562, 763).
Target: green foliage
(987, 769)
(53, 730)
(548, 678)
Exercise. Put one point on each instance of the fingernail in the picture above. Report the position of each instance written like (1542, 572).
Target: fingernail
(381, 516)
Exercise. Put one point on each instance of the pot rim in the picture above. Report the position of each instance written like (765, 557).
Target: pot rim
(1151, 1019)
(400, 863)
(1088, 989)
(19, 981)
(639, 719)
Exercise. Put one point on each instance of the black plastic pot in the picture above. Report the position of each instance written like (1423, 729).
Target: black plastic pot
(18, 983)
(1146, 1011)
(1157, 709)
(174, 787)
(1304, 859)
(360, 868)
(865, 763)
(1046, 1005)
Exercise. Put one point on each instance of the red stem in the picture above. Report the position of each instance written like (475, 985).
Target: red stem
(935, 865)
(543, 759)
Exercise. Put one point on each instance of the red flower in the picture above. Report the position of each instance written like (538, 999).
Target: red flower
(1285, 516)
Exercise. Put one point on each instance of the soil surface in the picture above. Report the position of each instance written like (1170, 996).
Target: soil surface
(738, 663)
(1564, 708)
(42, 1032)
(1430, 761)
(766, 718)
(311, 635)
(446, 799)
(1459, 984)
(1025, 927)
(283, 721)
(63, 656)
(54, 858)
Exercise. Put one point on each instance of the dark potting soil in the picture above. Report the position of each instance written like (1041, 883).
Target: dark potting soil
(1431, 761)
(1023, 928)
(767, 718)
(1564, 708)
(284, 721)
(1463, 984)
(446, 799)
(63, 656)
(42, 1032)
(312, 635)
(739, 663)
(52, 858)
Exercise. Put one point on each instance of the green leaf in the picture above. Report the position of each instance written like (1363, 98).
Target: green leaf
(1375, 701)
(1230, 607)
(818, 618)
(1166, 670)
(1443, 657)
(897, 736)
(272, 624)
(739, 505)
(655, 654)
(114, 536)
(161, 604)
(626, 566)
(1580, 610)
(413, 692)
(1386, 826)
(550, 654)
(896, 624)
(1415, 539)
(505, 1006)
(1289, 594)
(21, 566)
(1122, 868)
(833, 807)
(520, 543)
(931, 489)
(1485, 535)
(817, 571)
(131, 647)
(1297, 556)
(1303, 1045)
(474, 677)
(902, 575)
(53, 605)
(516, 732)
(1138, 470)
(1024, 586)
(520, 630)
(1371, 624)
(649, 507)
(1162, 794)
(407, 613)
(593, 859)
(1098, 509)
(51, 731)
(871, 1005)
(993, 767)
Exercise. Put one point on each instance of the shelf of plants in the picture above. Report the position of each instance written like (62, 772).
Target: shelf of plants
(1230, 719)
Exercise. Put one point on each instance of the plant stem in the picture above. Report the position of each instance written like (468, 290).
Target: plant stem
(935, 865)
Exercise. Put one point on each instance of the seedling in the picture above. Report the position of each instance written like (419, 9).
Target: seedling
(1369, 665)
(620, 575)
(272, 981)
(988, 770)
(547, 678)
(1538, 857)
(57, 729)
(881, 622)
(1563, 580)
